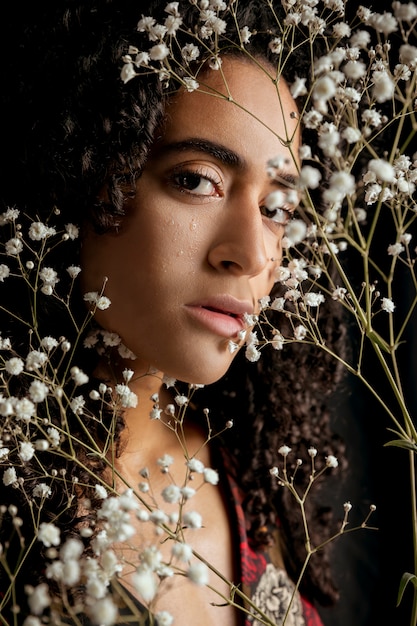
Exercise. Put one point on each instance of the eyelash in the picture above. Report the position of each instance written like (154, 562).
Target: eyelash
(196, 174)
(286, 214)
(286, 210)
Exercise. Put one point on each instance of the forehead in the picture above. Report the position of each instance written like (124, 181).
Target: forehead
(240, 107)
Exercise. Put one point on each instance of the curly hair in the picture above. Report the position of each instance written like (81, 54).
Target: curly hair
(71, 129)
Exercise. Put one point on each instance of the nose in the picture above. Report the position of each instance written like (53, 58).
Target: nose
(240, 246)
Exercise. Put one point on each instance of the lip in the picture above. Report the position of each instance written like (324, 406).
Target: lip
(222, 314)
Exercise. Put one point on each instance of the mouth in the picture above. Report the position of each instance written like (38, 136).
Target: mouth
(223, 315)
(224, 312)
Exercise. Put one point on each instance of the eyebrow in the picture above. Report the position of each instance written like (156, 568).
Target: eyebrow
(224, 155)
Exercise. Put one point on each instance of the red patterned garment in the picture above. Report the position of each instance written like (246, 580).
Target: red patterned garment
(264, 579)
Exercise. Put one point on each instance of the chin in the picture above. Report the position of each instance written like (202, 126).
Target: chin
(206, 375)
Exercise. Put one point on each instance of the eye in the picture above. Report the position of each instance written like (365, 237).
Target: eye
(278, 206)
(279, 216)
(194, 182)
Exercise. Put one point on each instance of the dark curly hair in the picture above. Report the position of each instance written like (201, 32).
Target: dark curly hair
(69, 129)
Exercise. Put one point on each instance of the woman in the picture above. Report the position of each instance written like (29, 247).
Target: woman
(178, 244)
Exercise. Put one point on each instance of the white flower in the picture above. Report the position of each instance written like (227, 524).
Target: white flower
(127, 72)
(145, 23)
(190, 52)
(329, 139)
(295, 232)
(9, 476)
(159, 52)
(171, 494)
(163, 618)
(39, 599)
(300, 333)
(312, 119)
(181, 400)
(383, 22)
(4, 272)
(192, 519)
(351, 134)
(406, 238)
(198, 573)
(31, 620)
(382, 169)
(275, 45)
(339, 293)
(41, 491)
(252, 353)
(157, 32)
(38, 231)
(405, 12)
(372, 193)
(217, 25)
(331, 461)
(145, 583)
(14, 366)
(35, 360)
(384, 87)
(395, 249)
(49, 343)
(26, 451)
(41, 445)
(387, 305)
(309, 177)
(172, 23)
(38, 391)
(101, 302)
(354, 70)
(72, 231)
(127, 397)
(298, 87)
(313, 299)
(278, 304)
(100, 492)
(277, 341)
(284, 450)
(73, 270)
(305, 152)
(54, 436)
(104, 612)
(78, 376)
(324, 89)
(4, 453)
(165, 461)
(232, 346)
(49, 276)
(211, 476)
(360, 39)
(312, 452)
(49, 534)
(347, 507)
(195, 465)
(341, 29)
(341, 184)
(245, 34)
(182, 551)
(77, 405)
(13, 247)
(187, 492)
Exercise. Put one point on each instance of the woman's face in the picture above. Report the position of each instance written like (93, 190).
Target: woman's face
(197, 249)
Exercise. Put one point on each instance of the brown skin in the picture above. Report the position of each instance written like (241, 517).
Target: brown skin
(193, 233)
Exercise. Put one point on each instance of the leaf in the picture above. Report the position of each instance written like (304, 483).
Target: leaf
(405, 579)
(402, 443)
